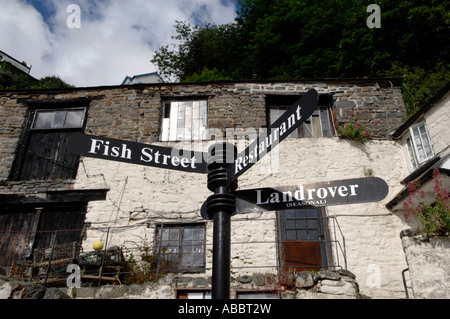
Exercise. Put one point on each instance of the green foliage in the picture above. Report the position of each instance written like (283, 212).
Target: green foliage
(355, 130)
(434, 217)
(151, 266)
(291, 39)
(208, 75)
(419, 85)
(51, 82)
(209, 47)
(14, 79)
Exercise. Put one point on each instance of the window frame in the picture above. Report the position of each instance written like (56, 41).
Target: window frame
(28, 132)
(283, 102)
(183, 293)
(411, 148)
(169, 134)
(179, 254)
(65, 109)
(256, 294)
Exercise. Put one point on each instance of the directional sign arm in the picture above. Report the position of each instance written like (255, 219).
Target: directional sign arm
(290, 120)
(339, 192)
(137, 153)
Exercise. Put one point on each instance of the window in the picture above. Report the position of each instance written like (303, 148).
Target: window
(418, 145)
(184, 121)
(58, 119)
(303, 235)
(43, 153)
(262, 294)
(319, 124)
(182, 245)
(194, 294)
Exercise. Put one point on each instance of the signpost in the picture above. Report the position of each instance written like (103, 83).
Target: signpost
(224, 166)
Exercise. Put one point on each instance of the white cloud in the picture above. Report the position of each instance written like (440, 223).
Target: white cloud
(116, 38)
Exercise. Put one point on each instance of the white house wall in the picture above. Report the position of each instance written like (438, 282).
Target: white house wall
(150, 195)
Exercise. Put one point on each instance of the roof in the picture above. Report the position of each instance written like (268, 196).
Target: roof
(128, 78)
(17, 64)
(383, 82)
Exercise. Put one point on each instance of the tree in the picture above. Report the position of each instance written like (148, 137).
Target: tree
(292, 39)
(12, 78)
(211, 47)
(51, 82)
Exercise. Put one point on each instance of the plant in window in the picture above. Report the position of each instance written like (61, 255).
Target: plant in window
(355, 130)
(435, 218)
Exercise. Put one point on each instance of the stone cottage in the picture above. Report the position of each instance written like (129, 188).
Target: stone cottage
(51, 196)
(425, 138)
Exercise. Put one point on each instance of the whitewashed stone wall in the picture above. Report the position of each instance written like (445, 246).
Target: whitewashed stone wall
(437, 119)
(150, 195)
(428, 261)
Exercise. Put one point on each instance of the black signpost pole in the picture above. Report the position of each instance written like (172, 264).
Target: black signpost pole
(220, 207)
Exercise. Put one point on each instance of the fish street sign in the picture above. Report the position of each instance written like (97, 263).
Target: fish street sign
(339, 192)
(290, 120)
(137, 153)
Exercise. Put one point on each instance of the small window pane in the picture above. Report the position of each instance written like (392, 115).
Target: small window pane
(301, 224)
(311, 213)
(197, 260)
(312, 224)
(289, 213)
(313, 235)
(60, 118)
(188, 234)
(324, 118)
(195, 295)
(187, 249)
(290, 224)
(300, 213)
(74, 118)
(174, 234)
(198, 234)
(291, 235)
(44, 120)
(302, 235)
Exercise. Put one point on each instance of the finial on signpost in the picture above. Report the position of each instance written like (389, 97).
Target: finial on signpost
(220, 207)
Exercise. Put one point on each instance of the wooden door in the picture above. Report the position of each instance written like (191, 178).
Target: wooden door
(302, 245)
(301, 255)
(16, 235)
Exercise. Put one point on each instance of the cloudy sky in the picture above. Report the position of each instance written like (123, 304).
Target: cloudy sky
(110, 40)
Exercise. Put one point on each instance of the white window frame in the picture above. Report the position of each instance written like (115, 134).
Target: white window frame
(418, 146)
(184, 120)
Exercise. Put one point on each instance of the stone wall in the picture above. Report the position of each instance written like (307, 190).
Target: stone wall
(134, 112)
(428, 261)
(303, 285)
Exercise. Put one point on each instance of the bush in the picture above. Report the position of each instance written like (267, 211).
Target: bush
(434, 217)
(355, 130)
